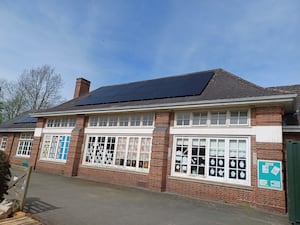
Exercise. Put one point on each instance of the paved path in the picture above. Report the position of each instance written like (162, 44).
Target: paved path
(58, 200)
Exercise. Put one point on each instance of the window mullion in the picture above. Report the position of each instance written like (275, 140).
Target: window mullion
(138, 152)
(189, 156)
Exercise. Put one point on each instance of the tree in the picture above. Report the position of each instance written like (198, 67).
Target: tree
(4, 174)
(37, 88)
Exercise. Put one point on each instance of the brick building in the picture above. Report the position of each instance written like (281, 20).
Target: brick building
(201, 135)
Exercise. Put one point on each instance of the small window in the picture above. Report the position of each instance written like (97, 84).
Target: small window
(3, 143)
(183, 119)
(72, 122)
(113, 121)
(148, 120)
(64, 122)
(124, 121)
(135, 120)
(239, 117)
(50, 123)
(93, 121)
(218, 118)
(103, 121)
(199, 118)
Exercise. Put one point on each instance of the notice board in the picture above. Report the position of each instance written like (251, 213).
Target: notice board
(269, 174)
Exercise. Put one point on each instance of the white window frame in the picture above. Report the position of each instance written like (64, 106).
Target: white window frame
(25, 145)
(48, 143)
(137, 120)
(3, 143)
(206, 176)
(61, 122)
(138, 157)
(209, 118)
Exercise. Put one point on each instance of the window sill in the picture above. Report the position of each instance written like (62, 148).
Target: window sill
(238, 186)
(22, 156)
(52, 161)
(114, 169)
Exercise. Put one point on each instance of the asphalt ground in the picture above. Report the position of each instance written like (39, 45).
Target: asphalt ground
(58, 200)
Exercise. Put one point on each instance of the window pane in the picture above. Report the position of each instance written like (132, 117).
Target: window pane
(147, 119)
(103, 121)
(181, 158)
(121, 151)
(234, 117)
(93, 121)
(214, 118)
(243, 117)
(222, 118)
(183, 119)
(113, 121)
(124, 120)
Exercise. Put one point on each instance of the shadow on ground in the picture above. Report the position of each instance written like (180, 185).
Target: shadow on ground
(35, 205)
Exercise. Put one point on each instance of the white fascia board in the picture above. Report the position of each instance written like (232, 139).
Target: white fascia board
(181, 105)
(291, 129)
(17, 130)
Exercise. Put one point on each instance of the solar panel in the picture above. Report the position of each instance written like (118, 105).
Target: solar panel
(26, 119)
(168, 87)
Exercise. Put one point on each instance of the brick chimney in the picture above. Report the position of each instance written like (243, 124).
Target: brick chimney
(82, 87)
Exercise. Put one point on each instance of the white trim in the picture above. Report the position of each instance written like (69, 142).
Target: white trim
(291, 129)
(119, 131)
(50, 130)
(38, 132)
(12, 130)
(179, 105)
(222, 130)
(269, 134)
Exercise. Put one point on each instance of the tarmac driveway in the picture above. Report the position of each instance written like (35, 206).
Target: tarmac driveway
(58, 200)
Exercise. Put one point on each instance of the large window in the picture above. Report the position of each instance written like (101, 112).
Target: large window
(25, 144)
(3, 143)
(126, 120)
(55, 147)
(123, 151)
(217, 159)
(212, 118)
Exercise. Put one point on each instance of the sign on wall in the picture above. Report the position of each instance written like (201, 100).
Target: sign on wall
(269, 174)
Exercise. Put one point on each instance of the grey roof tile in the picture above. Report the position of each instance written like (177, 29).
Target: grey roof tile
(223, 85)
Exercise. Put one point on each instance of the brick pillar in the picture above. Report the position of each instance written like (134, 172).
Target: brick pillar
(269, 150)
(159, 154)
(76, 142)
(36, 142)
(9, 144)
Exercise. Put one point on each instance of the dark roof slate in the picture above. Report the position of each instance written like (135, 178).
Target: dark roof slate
(21, 122)
(291, 118)
(222, 85)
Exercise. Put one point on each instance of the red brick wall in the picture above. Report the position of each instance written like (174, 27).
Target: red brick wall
(50, 167)
(268, 199)
(114, 176)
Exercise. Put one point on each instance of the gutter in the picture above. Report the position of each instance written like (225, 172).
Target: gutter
(10, 130)
(291, 129)
(179, 105)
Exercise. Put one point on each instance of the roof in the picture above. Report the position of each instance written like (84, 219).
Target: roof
(21, 123)
(220, 88)
(294, 117)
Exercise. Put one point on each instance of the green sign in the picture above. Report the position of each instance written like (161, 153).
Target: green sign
(269, 174)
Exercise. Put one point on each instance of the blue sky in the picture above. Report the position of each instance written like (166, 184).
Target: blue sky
(116, 41)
